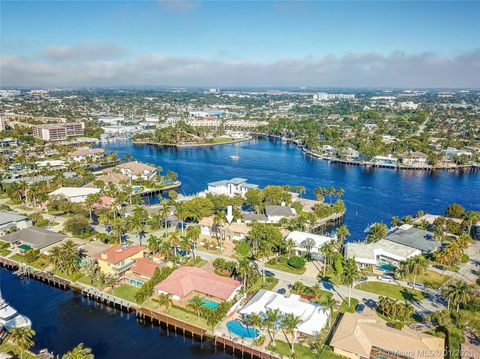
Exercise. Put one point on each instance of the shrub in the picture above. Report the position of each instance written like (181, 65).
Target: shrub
(242, 249)
(77, 224)
(464, 258)
(32, 255)
(296, 262)
(455, 211)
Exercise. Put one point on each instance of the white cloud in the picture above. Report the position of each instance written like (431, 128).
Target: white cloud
(83, 52)
(397, 69)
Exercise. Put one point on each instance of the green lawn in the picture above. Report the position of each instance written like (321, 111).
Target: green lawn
(285, 268)
(4, 252)
(344, 307)
(126, 292)
(327, 353)
(270, 283)
(18, 258)
(430, 278)
(186, 316)
(86, 280)
(301, 351)
(72, 278)
(392, 290)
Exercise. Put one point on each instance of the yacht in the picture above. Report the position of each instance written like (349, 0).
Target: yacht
(235, 156)
(10, 318)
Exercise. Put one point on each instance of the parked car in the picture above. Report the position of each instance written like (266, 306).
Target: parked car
(282, 291)
(269, 274)
(385, 278)
(363, 279)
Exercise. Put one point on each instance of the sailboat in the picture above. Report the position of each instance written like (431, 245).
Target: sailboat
(10, 318)
(235, 156)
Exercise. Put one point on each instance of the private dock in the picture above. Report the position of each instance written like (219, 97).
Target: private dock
(153, 191)
(237, 348)
(108, 299)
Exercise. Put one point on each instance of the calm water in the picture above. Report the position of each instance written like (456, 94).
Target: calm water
(371, 195)
(63, 319)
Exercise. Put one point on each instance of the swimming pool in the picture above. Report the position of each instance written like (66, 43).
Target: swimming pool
(385, 267)
(210, 303)
(239, 329)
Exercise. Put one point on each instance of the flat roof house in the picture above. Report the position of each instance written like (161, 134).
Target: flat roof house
(74, 194)
(189, 281)
(299, 239)
(118, 259)
(410, 236)
(415, 158)
(365, 335)
(10, 220)
(231, 187)
(276, 213)
(313, 316)
(34, 237)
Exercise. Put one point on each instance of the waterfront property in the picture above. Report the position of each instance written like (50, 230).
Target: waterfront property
(415, 158)
(232, 231)
(302, 238)
(231, 188)
(73, 194)
(118, 259)
(87, 154)
(276, 213)
(138, 170)
(92, 248)
(313, 317)
(13, 220)
(365, 335)
(186, 282)
(142, 270)
(410, 236)
(33, 238)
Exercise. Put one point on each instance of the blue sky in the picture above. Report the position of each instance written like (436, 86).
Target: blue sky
(260, 33)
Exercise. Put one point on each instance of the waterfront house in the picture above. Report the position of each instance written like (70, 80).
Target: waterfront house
(415, 158)
(86, 154)
(118, 259)
(33, 238)
(276, 213)
(385, 160)
(313, 317)
(349, 154)
(138, 170)
(250, 217)
(73, 194)
(327, 150)
(114, 178)
(232, 231)
(451, 153)
(142, 270)
(365, 335)
(231, 187)
(299, 238)
(373, 254)
(308, 205)
(186, 282)
(416, 238)
(13, 220)
(92, 248)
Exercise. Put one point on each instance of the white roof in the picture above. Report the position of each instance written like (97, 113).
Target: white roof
(298, 237)
(70, 192)
(313, 316)
(368, 252)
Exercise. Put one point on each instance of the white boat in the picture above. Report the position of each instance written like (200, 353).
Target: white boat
(10, 318)
(235, 156)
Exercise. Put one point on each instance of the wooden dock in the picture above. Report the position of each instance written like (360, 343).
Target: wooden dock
(153, 191)
(145, 315)
(237, 348)
(9, 264)
(108, 299)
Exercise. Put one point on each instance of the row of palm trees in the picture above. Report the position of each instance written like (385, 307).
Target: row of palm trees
(22, 337)
(458, 293)
(394, 309)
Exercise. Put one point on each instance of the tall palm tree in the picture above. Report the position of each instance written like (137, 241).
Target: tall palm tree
(328, 251)
(271, 322)
(196, 304)
(290, 323)
(175, 240)
(342, 234)
(165, 300)
(416, 266)
(349, 275)
(459, 294)
(193, 233)
(22, 337)
(407, 310)
(79, 352)
(254, 320)
(330, 303)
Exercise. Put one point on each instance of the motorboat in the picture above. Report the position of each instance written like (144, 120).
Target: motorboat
(10, 318)
(235, 156)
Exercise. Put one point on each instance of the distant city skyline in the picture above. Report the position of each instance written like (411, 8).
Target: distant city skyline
(240, 44)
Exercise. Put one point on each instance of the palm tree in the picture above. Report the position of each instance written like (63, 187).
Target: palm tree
(254, 320)
(416, 266)
(349, 275)
(327, 251)
(459, 293)
(407, 310)
(193, 233)
(271, 320)
(330, 303)
(196, 304)
(163, 213)
(395, 222)
(56, 258)
(174, 239)
(22, 337)
(165, 300)
(290, 323)
(79, 352)
(342, 234)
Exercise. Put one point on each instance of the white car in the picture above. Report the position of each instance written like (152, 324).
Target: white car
(385, 278)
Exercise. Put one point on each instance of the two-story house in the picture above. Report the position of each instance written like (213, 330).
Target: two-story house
(138, 170)
(118, 259)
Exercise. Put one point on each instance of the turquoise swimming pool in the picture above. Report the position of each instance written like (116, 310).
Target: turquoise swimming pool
(210, 303)
(385, 267)
(239, 329)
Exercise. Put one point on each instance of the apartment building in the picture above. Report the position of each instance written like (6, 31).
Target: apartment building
(58, 131)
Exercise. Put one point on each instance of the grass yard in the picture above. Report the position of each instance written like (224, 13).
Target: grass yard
(285, 268)
(270, 283)
(187, 317)
(301, 351)
(126, 292)
(392, 290)
(344, 307)
(430, 278)
(18, 258)
(4, 252)
(72, 278)
(86, 280)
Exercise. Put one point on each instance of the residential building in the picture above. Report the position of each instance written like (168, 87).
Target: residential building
(84, 154)
(9, 220)
(143, 269)
(313, 317)
(300, 238)
(137, 170)
(114, 178)
(385, 160)
(2, 124)
(233, 231)
(415, 159)
(74, 194)
(58, 131)
(417, 238)
(276, 213)
(50, 163)
(33, 238)
(365, 335)
(231, 188)
(92, 248)
(118, 259)
(451, 153)
(186, 282)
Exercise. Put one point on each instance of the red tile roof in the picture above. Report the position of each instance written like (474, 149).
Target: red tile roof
(118, 253)
(145, 267)
(187, 279)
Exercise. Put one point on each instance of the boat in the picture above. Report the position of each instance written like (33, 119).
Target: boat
(235, 156)
(10, 318)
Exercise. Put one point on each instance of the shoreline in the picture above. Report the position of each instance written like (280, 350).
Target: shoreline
(367, 164)
(187, 145)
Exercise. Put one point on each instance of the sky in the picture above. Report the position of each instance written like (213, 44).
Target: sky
(240, 43)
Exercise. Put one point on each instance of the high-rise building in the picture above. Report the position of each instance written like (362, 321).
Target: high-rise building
(58, 131)
(2, 124)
